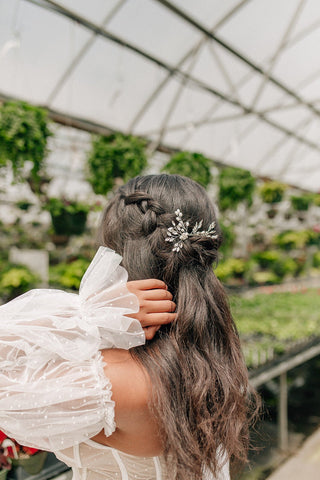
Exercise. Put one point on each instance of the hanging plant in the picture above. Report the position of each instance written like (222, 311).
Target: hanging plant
(235, 185)
(228, 237)
(24, 132)
(114, 157)
(302, 203)
(272, 192)
(193, 165)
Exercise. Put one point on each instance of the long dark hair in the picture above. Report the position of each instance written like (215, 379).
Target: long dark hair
(201, 394)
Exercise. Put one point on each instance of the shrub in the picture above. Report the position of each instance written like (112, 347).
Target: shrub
(112, 157)
(235, 185)
(193, 165)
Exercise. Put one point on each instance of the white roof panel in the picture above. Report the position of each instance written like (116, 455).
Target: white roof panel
(237, 80)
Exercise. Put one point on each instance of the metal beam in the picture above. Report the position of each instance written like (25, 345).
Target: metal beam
(273, 371)
(193, 50)
(254, 66)
(77, 59)
(52, 5)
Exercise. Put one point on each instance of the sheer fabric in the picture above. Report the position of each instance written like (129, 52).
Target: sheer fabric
(54, 394)
(53, 391)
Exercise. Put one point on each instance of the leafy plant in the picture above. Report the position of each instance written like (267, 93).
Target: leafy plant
(316, 260)
(68, 217)
(272, 192)
(68, 275)
(112, 157)
(291, 239)
(15, 280)
(231, 268)
(302, 202)
(235, 185)
(228, 237)
(263, 277)
(24, 132)
(193, 165)
(278, 263)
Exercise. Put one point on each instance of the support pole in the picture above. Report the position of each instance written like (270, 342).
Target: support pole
(283, 413)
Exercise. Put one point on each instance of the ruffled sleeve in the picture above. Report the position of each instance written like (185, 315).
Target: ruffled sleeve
(53, 391)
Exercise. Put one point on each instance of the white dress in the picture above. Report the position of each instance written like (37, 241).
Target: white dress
(54, 394)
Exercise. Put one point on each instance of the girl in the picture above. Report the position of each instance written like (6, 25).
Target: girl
(181, 399)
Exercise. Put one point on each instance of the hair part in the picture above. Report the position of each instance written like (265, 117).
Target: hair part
(201, 394)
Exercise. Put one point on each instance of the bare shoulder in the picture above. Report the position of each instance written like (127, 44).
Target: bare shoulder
(137, 430)
(131, 387)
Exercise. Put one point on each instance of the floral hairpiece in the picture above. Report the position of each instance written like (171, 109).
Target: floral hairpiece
(179, 232)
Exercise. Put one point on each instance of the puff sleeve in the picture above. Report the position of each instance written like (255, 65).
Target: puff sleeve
(53, 390)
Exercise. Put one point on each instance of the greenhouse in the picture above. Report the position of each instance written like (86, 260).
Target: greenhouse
(93, 94)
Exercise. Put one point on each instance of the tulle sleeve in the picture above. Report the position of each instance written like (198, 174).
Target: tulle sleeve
(53, 391)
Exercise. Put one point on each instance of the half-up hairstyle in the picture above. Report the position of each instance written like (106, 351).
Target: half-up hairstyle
(201, 394)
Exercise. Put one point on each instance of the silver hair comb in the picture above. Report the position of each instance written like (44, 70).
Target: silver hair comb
(179, 232)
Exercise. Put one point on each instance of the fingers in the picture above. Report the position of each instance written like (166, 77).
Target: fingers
(153, 319)
(150, 306)
(149, 283)
(150, 332)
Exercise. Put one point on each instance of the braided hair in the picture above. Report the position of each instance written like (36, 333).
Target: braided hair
(199, 378)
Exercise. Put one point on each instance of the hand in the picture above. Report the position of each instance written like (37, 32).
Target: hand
(156, 305)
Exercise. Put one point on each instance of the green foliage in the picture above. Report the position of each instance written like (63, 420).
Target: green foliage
(272, 192)
(68, 217)
(278, 263)
(316, 199)
(193, 165)
(15, 280)
(68, 275)
(302, 202)
(231, 268)
(228, 237)
(281, 316)
(291, 239)
(263, 277)
(316, 260)
(57, 206)
(23, 137)
(112, 157)
(235, 185)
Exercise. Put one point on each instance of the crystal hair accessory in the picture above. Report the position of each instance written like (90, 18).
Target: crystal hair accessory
(179, 232)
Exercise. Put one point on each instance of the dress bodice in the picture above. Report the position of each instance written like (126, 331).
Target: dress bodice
(92, 461)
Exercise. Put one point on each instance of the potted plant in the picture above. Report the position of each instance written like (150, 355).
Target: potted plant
(235, 185)
(24, 131)
(15, 280)
(192, 165)
(272, 193)
(113, 158)
(68, 217)
(30, 459)
(302, 203)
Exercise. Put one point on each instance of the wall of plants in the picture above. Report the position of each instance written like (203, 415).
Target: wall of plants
(271, 231)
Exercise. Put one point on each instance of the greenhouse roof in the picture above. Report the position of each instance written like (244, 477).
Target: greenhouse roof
(236, 80)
